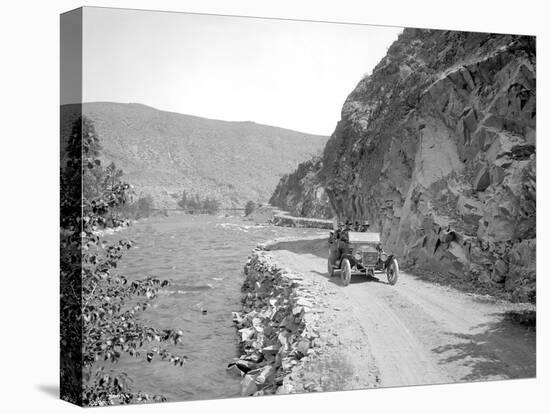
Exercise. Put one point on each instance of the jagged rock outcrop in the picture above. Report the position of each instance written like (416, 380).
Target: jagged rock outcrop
(437, 149)
(301, 193)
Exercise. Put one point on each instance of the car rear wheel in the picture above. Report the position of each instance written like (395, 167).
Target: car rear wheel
(345, 274)
(330, 265)
(392, 272)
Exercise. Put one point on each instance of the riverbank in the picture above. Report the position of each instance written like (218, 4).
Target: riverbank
(177, 248)
(268, 214)
(287, 347)
(286, 220)
(108, 231)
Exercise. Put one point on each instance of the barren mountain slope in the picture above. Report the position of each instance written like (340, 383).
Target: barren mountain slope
(437, 149)
(164, 153)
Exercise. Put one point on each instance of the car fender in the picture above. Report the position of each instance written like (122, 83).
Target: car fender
(349, 257)
(389, 259)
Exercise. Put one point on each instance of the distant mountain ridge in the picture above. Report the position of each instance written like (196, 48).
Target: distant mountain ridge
(164, 153)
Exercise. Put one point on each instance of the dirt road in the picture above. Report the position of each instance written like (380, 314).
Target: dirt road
(414, 332)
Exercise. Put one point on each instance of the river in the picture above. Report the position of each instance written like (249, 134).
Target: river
(203, 258)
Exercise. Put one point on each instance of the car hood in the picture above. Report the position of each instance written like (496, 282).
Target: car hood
(366, 247)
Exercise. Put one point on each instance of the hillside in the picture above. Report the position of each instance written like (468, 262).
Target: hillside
(437, 149)
(164, 153)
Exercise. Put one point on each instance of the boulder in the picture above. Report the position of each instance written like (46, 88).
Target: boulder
(501, 268)
(484, 277)
(482, 180)
(246, 333)
(234, 370)
(447, 236)
(270, 350)
(246, 366)
(496, 175)
(248, 385)
(303, 346)
(265, 374)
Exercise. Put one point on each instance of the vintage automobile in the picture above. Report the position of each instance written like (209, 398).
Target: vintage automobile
(359, 253)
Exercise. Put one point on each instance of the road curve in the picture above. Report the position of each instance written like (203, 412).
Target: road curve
(417, 332)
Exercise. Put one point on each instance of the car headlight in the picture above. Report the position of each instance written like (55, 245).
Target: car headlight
(383, 257)
(357, 255)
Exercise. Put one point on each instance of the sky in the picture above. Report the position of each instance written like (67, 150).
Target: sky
(290, 74)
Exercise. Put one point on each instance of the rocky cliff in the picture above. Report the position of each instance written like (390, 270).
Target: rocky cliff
(164, 153)
(301, 193)
(437, 149)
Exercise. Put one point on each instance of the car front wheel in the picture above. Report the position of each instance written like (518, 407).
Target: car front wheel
(392, 272)
(345, 274)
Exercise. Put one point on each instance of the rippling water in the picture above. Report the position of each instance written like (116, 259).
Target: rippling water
(203, 257)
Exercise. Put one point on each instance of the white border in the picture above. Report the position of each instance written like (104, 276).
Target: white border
(29, 206)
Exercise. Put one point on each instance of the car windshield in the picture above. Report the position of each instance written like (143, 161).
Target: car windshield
(360, 237)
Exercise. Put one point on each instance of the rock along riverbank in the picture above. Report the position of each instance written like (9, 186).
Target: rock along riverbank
(285, 220)
(273, 215)
(287, 345)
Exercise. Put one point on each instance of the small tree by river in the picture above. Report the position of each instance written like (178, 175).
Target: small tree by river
(100, 308)
(141, 208)
(249, 207)
(193, 203)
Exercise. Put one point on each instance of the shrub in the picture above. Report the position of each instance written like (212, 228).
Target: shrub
(194, 203)
(249, 208)
(100, 308)
(143, 207)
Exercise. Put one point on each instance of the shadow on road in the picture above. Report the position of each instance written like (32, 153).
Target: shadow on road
(495, 352)
(317, 247)
(355, 279)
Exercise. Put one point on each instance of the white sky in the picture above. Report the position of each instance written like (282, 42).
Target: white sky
(291, 74)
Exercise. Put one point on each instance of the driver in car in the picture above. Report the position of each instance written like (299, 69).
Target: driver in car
(345, 232)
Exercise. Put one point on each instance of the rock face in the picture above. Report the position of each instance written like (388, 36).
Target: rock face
(164, 153)
(301, 193)
(437, 149)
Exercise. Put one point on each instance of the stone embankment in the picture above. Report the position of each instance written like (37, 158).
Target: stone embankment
(286, 344)
(276, 327)
(269, 214)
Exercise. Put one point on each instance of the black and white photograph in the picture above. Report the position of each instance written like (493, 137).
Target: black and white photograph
(256, 210)
(382, 203)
